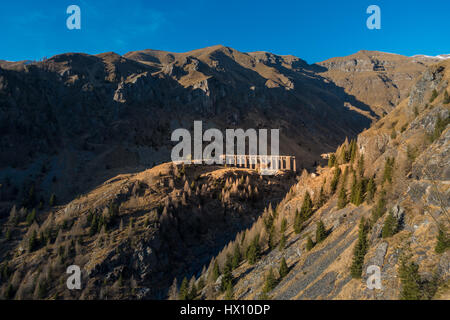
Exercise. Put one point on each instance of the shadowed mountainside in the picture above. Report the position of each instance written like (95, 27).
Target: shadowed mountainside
(70, 122)
(394, 176)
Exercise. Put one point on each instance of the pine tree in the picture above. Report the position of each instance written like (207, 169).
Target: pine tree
(305, 213)
(264, 296)
(4, 272)
(439, 127)
(8, 235)
(216, 271)
(284, 270)
(283, 225)
(360, 250)
(347, 151)
(342, 199)
(113, 211)
(253, 251)
(389, 227)
(229, 292)
(52, 201)
(353, 189)
(353, 148)
(94, 225)
(298, 222)
(193, 292)
(307, 205)
(282, 244)
(393, 134)
(343, 155)
(321, 233)
(31, 217)
(201, 283)
(268, 220)
(322, 198)
(309, 244)
(270, 282)
(344, 176)
(380, 208)
(236, 256)
(443, 241)
(332, 160)
(173, 291)
(227, 276)
(446, 97)
(371, 189)
(271, 240)
(410, 280)
(33, 242)
(183, 292)
(358, 192)
(434, 95)
(388, 170)
(361, 166)
(335, 180)
(13, 216)
(131, 224)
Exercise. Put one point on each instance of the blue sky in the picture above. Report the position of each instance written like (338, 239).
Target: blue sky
(312, 30)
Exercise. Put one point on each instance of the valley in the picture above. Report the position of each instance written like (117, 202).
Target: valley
(87, 178)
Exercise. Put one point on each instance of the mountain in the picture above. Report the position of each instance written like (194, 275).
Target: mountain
(380, 80)
(94, 132)
(146, 228)
(435, 59)
(71, 122)
(86, 118)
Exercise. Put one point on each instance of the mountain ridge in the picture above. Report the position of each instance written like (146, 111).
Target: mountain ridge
(87, 129)
(102, 103)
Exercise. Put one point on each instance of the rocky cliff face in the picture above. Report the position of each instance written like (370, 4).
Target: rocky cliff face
(380, 80)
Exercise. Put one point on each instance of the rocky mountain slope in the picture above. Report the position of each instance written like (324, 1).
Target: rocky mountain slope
(394, 176)
(134, 233)
(86, 129)
(71, 122)
(380, 80)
